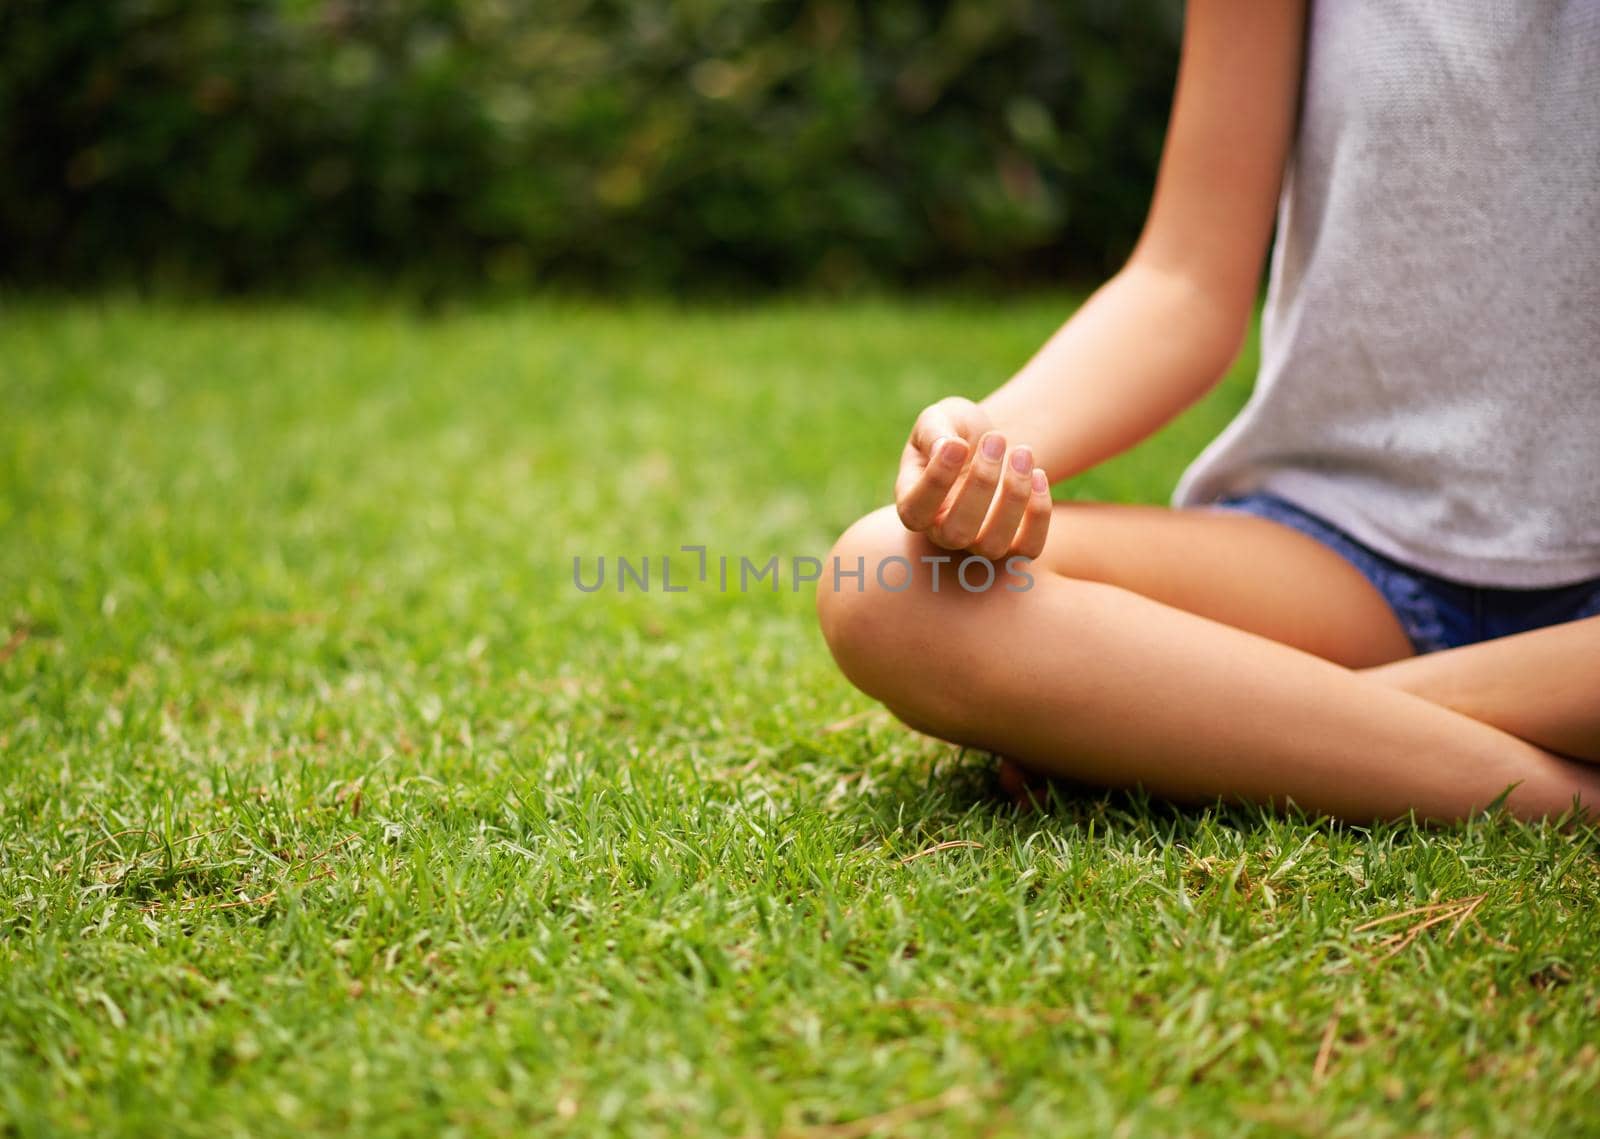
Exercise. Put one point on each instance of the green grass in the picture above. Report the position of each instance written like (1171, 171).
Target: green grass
(329, 804)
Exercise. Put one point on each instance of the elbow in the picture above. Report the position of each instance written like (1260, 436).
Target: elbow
(1209, 312)
(1229, 332)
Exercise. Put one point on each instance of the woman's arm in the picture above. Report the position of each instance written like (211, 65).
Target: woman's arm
(1161, 332)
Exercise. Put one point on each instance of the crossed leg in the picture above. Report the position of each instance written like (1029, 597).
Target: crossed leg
(1543, 686)
(1198, 654)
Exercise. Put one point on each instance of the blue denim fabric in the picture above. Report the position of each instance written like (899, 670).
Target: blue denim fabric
(1436, 614)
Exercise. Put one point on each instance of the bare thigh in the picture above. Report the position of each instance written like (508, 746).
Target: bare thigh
(1248, 572)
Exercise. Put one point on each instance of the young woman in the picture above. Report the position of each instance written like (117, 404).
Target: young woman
(1379, 589)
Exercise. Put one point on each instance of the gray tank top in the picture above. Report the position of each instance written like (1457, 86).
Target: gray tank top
(1430, 351)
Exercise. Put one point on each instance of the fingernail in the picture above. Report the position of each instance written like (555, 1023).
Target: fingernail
(994, 446)
(1022, 460)
(951, 451)
(1041, 482)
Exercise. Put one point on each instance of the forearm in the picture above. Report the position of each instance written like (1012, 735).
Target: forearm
(1164, 329)
(1145, 346)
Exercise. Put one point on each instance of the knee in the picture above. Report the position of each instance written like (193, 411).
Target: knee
(899, 633)
(860, 619)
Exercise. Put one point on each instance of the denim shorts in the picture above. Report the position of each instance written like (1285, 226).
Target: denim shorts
(1435, 613)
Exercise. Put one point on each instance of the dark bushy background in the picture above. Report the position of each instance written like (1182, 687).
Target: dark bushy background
(638, 144)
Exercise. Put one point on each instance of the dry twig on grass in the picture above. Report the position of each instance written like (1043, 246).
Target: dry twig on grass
(1014, 1014)
(1458, 912)
(953, 844)
(1319, 1069)
(886, 1120)
(13, 643)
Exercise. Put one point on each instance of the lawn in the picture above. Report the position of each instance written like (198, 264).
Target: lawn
(330, 804)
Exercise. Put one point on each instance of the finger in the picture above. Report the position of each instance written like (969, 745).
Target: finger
(1016, 487)
(912, 463)
(965, 512)
(921, 490)
(934, 424)
(1035, 526)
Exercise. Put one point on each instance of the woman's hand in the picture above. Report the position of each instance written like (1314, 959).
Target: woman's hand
(960, 486)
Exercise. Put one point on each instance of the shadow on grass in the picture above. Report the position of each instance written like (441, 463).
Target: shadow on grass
(964, 784)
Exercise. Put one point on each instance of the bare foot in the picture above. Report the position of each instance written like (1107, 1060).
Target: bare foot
(1024, 788)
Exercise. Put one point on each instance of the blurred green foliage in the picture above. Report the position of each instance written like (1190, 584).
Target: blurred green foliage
(641, 144)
